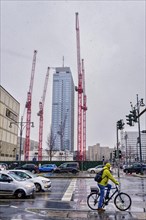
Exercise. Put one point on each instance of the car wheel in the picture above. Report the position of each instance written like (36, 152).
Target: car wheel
(92, 171)
(38, 187)
(74, 171)
(19, 194)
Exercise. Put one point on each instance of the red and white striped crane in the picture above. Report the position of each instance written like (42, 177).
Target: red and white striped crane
(28, 106)
(79, 89)
(84, 107)
(41, 115)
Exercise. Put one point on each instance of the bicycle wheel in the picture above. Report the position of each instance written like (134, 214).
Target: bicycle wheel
(92, 201)
(122, 201)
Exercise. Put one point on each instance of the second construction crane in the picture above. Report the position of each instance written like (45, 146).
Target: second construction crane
(28, 106)
(41, 114)
(84, 108)
(79, 89)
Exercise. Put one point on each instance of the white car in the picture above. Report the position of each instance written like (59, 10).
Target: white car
(41, 183)
(13, 185)
(95, 169)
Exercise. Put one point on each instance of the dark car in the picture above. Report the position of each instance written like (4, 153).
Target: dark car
(31, 167)
(47, 168)
(135, 168)
(72, 167)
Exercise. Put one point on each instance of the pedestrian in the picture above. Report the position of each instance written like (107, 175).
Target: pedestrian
(104, 184)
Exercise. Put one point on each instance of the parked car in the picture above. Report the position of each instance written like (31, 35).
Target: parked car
(13, 185)
(95, 169)
(135, 168)
(13, 165)
(72, 167)
(41, 183)
(3, 166)
(47, 168)
(31, 167)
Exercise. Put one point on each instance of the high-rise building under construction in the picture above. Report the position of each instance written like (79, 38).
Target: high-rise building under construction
(63, 109)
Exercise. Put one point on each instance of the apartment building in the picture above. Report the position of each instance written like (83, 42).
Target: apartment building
(9, 113)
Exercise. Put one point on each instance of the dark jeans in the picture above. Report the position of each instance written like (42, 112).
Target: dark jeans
(102, 190)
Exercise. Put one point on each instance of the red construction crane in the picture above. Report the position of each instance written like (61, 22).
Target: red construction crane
(79, 89)
(40, 113)
(28, 106)
(84, 107)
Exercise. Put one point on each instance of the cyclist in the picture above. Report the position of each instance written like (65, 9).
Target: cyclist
(104, 184)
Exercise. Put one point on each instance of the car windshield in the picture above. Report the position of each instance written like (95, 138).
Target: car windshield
(16, 177)
(99, 166)
(30, 173)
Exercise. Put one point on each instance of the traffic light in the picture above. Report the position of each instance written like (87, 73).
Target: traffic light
(134, 115)
(114, 154)
(120, 153)
(129, 119)
(120, 124)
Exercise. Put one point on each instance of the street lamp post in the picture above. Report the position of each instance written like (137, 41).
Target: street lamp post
(21, 125)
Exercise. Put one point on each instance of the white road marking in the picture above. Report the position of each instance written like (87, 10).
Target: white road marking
(14, 206)
(68, 194)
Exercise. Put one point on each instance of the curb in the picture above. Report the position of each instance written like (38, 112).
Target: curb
(70, 175)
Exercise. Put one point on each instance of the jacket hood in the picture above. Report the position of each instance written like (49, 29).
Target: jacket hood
(107, 165)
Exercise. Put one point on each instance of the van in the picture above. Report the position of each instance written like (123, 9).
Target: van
(72, 167)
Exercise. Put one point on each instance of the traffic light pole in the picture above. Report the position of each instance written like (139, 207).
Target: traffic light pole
(118, 152)
(140, 151)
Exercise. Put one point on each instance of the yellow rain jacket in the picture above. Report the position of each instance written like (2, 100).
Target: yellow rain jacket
(106, 176)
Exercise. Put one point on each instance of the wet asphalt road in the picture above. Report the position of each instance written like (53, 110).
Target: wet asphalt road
(64, 203)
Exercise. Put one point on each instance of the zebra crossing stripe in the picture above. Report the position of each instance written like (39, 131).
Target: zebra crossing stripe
(68, 194)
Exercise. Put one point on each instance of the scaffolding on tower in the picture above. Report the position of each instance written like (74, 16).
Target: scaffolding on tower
(79, 89)
(41, 115)
(28, 106)
(84, 108)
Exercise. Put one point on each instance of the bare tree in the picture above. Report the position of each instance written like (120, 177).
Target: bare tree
(51, 144)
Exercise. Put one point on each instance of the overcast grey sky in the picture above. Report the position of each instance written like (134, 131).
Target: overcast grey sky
(112, 38)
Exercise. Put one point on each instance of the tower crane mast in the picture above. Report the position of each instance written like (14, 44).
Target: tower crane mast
(84, 108)
(28, 106)
(41, 115)
(79, 89)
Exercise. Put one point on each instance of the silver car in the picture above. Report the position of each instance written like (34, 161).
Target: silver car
(13, 185)
(95, 169)
(41, 183)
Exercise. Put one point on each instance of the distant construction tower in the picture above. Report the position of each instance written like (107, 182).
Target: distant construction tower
(63, 109)
(41, 115)
(28, 106)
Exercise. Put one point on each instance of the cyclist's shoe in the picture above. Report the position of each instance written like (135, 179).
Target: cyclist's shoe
(100, 210)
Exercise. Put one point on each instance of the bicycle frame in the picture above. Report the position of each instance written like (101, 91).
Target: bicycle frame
(116, 191)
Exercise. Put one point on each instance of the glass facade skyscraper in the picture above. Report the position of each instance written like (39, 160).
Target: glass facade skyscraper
(63, 109)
